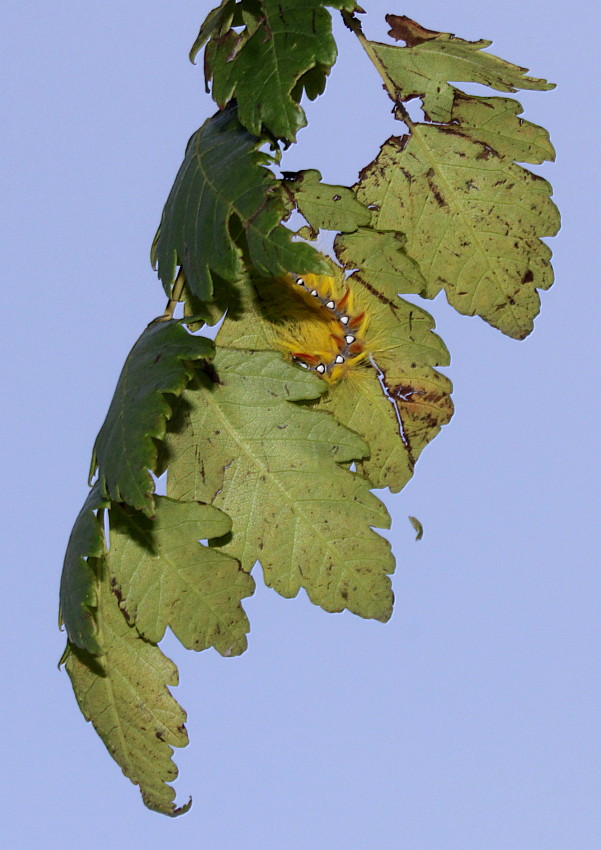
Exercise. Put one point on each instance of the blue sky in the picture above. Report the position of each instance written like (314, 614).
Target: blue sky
(471, 720)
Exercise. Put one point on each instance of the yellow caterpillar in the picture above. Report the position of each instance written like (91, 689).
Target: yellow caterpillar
(329, 338)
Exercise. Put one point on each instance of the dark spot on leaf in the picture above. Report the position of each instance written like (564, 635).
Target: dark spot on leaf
(435, 190)
(405, 29)
(528, 277)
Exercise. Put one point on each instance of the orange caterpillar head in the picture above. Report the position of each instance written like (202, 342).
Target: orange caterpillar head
(329, 336)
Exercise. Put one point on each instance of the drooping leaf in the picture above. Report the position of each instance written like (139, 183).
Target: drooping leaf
(164, 577)
(127, 701)
(473, 218)
(423, 68)
(125, 450)
(284, 47)
(223, 182)
(275, 469)
(394, 399)
(79, 579)
(323, 205)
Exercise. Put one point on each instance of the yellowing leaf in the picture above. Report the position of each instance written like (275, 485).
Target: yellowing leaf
(472, 220)
(382, 258)
(323, 205)
(164, 577)
(472, 217)
(496, 122)
(129, 705)
(276, 469)
(423, 69)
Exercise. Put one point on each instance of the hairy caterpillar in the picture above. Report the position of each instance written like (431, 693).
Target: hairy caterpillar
(377, 354)
(331, 338)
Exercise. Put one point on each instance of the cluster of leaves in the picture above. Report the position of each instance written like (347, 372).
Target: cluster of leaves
(259, 454)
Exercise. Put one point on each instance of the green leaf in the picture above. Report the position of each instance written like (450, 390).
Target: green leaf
(164, 577)
(223, 182)
(79, 579)
(125, 447)
(286, 46)
(422, 70)
(325, 206)
(216, 24)
(275, 468)
(129, 705)
(472, 220)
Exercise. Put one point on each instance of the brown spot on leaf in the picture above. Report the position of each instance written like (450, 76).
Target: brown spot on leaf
(116, 590)
(528, 277)
(405, 29)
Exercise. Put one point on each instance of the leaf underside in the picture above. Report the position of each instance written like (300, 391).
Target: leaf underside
(277, 470)
(164, 577)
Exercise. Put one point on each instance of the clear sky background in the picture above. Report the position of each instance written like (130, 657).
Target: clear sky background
(471, 721)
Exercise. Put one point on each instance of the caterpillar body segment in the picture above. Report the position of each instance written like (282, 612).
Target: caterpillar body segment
(335, 340)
